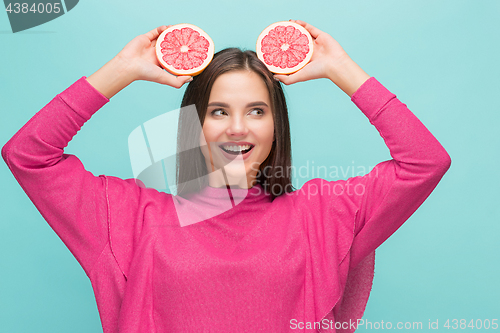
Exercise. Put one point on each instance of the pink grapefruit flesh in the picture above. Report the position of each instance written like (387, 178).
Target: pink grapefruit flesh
(285, 47)
(184, 49)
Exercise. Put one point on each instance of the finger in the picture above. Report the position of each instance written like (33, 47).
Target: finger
(312, 30)
(162, 28)
(292, 78)
(153, 34)
(184, 78)
(174, 81)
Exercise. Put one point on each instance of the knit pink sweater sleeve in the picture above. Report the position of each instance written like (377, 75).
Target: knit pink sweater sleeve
(390, 193)
(71, 199)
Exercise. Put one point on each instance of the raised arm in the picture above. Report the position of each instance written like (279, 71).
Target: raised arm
(69, 198)
(72, 200)
(394, 189)
(385, 198)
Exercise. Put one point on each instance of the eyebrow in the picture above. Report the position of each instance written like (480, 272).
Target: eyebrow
(225, 105)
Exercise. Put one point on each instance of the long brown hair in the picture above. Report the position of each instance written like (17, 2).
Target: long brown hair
(191, 167)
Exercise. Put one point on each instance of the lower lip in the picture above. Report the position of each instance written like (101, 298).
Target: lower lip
(232, 157)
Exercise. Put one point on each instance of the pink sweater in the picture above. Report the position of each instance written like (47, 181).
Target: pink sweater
(298, 263)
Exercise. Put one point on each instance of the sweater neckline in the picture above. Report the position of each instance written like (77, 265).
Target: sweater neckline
(233, 191)
(235, 194)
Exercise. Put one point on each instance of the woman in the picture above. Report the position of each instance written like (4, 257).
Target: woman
(237, 249)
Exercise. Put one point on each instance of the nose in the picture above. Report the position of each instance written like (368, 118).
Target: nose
(237, 126)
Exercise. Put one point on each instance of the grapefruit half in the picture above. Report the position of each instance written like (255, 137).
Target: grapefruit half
(184, 49)
(285, 47)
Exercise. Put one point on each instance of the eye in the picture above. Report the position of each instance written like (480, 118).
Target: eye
(259, 111)
(214, 112)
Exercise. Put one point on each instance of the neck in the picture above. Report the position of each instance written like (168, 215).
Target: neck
(223, 179)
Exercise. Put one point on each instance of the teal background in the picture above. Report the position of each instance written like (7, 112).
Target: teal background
(439, 57)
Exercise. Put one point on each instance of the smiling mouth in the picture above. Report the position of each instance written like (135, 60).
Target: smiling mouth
(236, 150)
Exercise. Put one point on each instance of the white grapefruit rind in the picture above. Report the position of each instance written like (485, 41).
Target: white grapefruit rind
(172, 69)
(279, 70)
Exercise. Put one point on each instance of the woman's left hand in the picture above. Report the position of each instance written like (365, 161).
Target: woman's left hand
(329, 60)
(327, 53)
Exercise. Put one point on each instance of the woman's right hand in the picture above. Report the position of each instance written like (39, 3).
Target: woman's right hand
(136, 61)
(140, 56)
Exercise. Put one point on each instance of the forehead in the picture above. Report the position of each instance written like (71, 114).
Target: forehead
(237, 87)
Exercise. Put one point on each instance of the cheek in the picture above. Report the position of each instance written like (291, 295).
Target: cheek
(203, 146)
(209, 135)
(203, 141)
(210, 131)
(267, 133)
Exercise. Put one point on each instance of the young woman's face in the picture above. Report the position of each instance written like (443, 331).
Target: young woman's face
(238, 117)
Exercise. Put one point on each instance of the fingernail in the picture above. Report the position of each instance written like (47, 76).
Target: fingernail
(190, 79)
(276, 78)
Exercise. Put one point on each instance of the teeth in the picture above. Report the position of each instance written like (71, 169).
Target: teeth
(237, 148)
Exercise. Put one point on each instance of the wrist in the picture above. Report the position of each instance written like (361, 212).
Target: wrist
(112, 77)
(347, 75)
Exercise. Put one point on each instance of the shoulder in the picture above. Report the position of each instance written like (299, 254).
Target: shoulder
(329, 202)
(132, 194)
(133, 209)
(320, 190)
